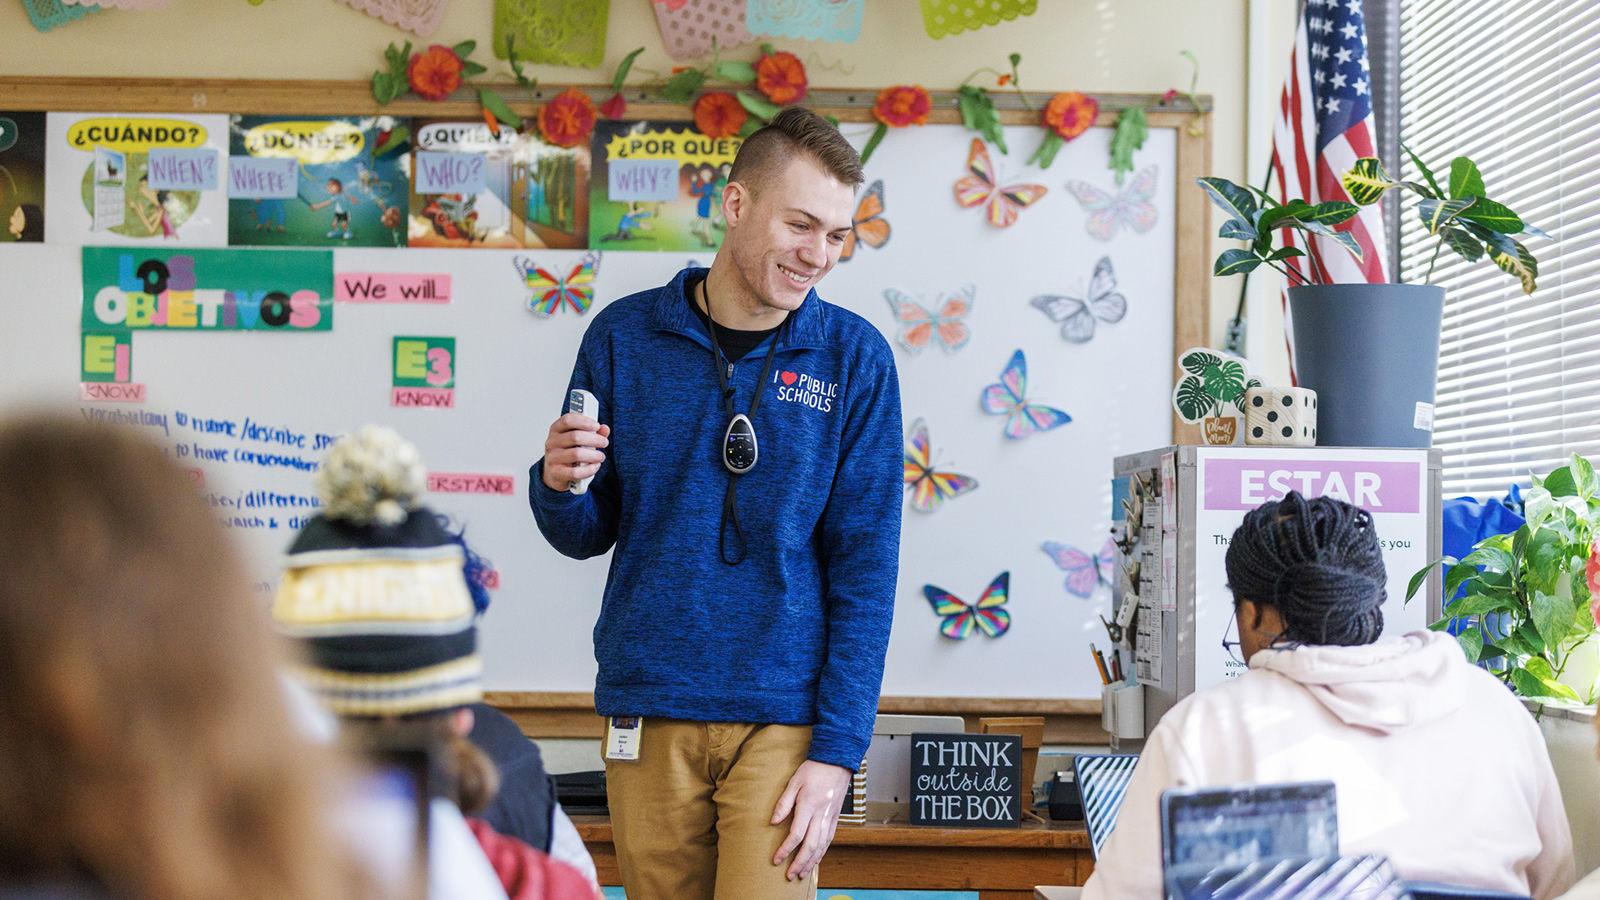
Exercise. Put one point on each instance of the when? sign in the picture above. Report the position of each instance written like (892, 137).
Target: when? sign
(966, 780)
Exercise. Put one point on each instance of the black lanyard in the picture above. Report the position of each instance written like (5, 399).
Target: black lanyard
(733, 445)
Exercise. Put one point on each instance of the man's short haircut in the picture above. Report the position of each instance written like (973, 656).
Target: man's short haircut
(792, 132)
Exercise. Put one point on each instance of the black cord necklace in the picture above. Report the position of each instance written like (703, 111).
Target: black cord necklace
(740, 449)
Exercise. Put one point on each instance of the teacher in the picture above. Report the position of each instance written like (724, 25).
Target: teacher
(747, 468)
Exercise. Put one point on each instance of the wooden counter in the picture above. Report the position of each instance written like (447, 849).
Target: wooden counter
(1001, 864)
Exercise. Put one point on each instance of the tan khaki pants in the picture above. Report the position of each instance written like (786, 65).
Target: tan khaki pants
(691, 816)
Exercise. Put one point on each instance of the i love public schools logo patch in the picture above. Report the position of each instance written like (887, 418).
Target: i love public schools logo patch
(798, 387)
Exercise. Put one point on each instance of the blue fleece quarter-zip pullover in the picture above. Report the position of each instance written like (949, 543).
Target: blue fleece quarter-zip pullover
(796, 633)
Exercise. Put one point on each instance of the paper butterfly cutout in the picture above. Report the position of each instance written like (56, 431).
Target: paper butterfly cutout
(961, 617)
(1077, 314)
(1002, 205)
(551, 293)
(930, 489)
(1131, 207)
(1084, 572)
(868, 224)
(919, 326)
(1006, 399)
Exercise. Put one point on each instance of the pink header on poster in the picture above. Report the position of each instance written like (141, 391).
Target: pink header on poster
(435, 398)
(110, 392)
(1379, 487)
(390, 287)
(463, 483)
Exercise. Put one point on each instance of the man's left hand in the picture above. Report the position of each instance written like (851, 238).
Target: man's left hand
(815, 795)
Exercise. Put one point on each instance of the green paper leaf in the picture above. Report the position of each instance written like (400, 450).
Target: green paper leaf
(496, 105)
(1198, 361)
(1046, 154)
(756, 105)
(470, 68)
(750, 126)
(1465, 180)
(623, 69)
(1495, 216)
(465, 48)
(1132, 128)
(1234, 262)
(766, 50)
(383, 88)
(834, 121)
(1016, 60)
(681, 87)
(1366, 181)
(1191, 400)
(1234, 200)
(873, 142)
(738, 72)
(397, 136)
(1426, 173)
(978, 114)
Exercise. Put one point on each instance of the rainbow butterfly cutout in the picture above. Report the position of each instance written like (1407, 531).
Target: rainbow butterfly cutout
(961, 617)
(551, 293)
(919, 326)
(929, 489)
(1001, 205)
(1077, 315)
(868, 224)
(1007, 399)
(1084, 572)
(1130, 207)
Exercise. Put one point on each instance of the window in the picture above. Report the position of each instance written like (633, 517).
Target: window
(1513, 85)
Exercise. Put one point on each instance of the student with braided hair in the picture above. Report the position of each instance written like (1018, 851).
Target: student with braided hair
(1438, 767)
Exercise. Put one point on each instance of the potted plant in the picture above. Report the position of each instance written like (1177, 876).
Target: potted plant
(1526, 611)
(1211, 393)
(1370, 351)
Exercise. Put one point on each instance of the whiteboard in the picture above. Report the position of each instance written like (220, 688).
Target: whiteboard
(512, 369)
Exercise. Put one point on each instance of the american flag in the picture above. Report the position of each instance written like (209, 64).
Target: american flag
(1324, 125)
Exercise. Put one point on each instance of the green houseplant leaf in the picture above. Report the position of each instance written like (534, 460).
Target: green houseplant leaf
(1495, 217)
(1233, 199)
(1366, 181)
(1465, 245)
(1427, 173)
(1239, 229)
(1465, 181)
(1233, 262)
(1436, 214)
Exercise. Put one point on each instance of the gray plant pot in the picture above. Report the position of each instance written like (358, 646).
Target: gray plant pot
(1371, 352)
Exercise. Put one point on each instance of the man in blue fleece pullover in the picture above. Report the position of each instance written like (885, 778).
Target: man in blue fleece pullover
(746, 615)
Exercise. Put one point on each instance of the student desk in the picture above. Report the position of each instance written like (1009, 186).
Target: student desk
(999, 863)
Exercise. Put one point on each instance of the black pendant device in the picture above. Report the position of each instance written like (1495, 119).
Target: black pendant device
(739, 445)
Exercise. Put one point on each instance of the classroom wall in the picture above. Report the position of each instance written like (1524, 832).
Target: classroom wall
(1086, 45)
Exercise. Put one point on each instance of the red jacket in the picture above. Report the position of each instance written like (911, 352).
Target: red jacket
(526, 873)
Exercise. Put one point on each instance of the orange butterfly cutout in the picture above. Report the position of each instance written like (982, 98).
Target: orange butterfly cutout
(1002, 205)
(868, 224)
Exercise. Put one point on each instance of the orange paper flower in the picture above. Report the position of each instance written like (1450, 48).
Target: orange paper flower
(568, 119)
(1070, 114)
(782, 77)
(719, 114)
(903, 105)
(435, 72)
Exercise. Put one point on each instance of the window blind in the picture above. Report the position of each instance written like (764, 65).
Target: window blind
(1515, 85)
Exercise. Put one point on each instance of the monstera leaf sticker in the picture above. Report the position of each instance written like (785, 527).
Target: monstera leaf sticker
(1211, 391)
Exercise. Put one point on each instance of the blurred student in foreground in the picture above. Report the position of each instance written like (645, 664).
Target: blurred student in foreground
(1437, 766)
(375, 591)
(146, 751)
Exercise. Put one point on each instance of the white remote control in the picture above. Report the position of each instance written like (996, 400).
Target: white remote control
(583, 403)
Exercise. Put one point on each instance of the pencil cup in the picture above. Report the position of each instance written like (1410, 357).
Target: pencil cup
(1122, 710)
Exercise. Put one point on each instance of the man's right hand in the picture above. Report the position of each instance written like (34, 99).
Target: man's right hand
(572, 452)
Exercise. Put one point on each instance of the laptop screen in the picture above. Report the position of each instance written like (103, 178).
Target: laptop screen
(1229, 826)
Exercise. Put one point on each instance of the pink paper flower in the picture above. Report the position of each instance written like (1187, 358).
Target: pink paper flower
(1592, 573)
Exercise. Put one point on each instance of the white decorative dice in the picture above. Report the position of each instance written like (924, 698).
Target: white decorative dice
(1282, 417)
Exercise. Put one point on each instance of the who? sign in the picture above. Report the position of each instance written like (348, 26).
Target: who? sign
(966, 780)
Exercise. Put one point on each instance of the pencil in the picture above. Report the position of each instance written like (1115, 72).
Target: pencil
(1100, 663)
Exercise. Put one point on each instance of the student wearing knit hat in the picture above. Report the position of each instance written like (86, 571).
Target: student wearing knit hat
(1437, 766)
(374, 589)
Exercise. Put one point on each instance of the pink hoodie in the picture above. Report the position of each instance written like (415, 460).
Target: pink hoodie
(1438, 766)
